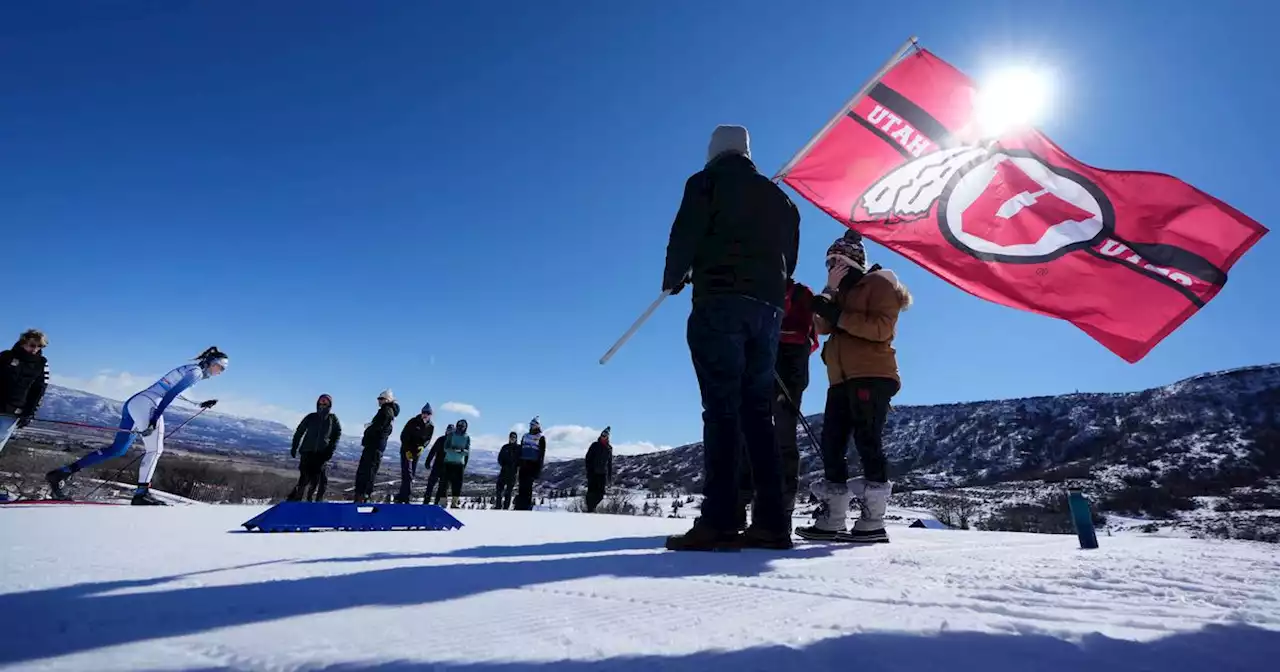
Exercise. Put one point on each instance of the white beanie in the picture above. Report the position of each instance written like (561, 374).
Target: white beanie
(728, 138)
(386, 394)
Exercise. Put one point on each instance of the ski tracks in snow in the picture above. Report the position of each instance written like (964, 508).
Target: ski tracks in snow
(540, 591)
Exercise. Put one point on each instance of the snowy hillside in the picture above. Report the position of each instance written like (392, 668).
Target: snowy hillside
(108, 588)
(211, 431)
(1158, 453)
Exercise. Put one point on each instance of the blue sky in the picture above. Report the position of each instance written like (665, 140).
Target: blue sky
(469, 202)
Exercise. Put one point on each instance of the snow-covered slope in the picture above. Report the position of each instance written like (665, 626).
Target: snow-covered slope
(181, 588)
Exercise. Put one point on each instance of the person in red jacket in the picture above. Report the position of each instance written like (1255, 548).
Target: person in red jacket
(797, 341)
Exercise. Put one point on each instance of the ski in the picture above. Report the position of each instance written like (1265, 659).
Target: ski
(81, 502)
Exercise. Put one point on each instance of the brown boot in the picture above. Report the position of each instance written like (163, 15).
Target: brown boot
(704, 538)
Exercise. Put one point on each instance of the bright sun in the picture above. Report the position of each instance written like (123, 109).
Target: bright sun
(1011, 98)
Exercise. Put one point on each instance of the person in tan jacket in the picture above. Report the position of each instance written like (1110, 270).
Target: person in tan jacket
(859, 311)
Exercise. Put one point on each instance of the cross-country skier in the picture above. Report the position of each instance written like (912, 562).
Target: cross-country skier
(797, 341)
(24, 375)
(435, 458)
(599, 465)
(508, 460)
(147, 407)
(533, 452)
(374, 443)
(457, 452)
(316, 439)
(413, 438)
(859, 308)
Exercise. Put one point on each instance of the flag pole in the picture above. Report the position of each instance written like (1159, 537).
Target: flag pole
(644, 317)
(857, 97)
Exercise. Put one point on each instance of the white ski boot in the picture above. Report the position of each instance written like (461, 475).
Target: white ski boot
(873, 499)
(829, 518)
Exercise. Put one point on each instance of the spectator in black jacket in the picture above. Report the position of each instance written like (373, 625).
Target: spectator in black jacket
(374, 443)
(413, 438)
(434, 461)
(736, 237)
(508, 460)
(24, 375)
(316, 439)
(599, 464)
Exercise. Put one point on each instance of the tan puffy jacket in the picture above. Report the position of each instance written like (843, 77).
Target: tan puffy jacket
(862, 347)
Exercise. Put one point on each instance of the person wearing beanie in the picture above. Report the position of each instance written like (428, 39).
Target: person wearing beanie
(599, 465)
(456, 455)
(24, 375)
(508, 461)
(315, 439)
(533, 454)
(735, 237)
(374, 444)
(859, 309)
(414, 437)
(435, 460)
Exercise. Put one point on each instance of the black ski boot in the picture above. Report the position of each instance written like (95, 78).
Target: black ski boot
(705, 538)
(55, 479)
(144, 498)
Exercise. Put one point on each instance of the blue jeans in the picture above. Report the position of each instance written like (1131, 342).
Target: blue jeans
(733, 341)
(8, 425)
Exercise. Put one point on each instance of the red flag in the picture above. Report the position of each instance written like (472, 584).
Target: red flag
(1125, 256)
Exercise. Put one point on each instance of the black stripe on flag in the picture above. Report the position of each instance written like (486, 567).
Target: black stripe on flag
(911, 113)
(882, 135)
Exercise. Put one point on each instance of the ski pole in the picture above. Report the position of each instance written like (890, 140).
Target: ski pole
(184, 422)
(87, 426)
(636, 326)
(113, 476)
(799, 413)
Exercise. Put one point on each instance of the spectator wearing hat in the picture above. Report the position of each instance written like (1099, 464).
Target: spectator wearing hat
(315, 440)
(374, 443)
(859, 309)
(735, 237)
(599, 464)
(414, 438)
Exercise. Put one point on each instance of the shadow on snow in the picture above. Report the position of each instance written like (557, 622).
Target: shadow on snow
(39, 625)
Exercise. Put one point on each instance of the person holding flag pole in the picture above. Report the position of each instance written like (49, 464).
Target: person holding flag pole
(735, 237)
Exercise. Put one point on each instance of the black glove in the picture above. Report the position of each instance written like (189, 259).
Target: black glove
(209, 404)
(24, 420)
(147, 432)
(827, 309)
(679, 286)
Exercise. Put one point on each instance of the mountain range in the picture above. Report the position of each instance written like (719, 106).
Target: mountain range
(1207, 436)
